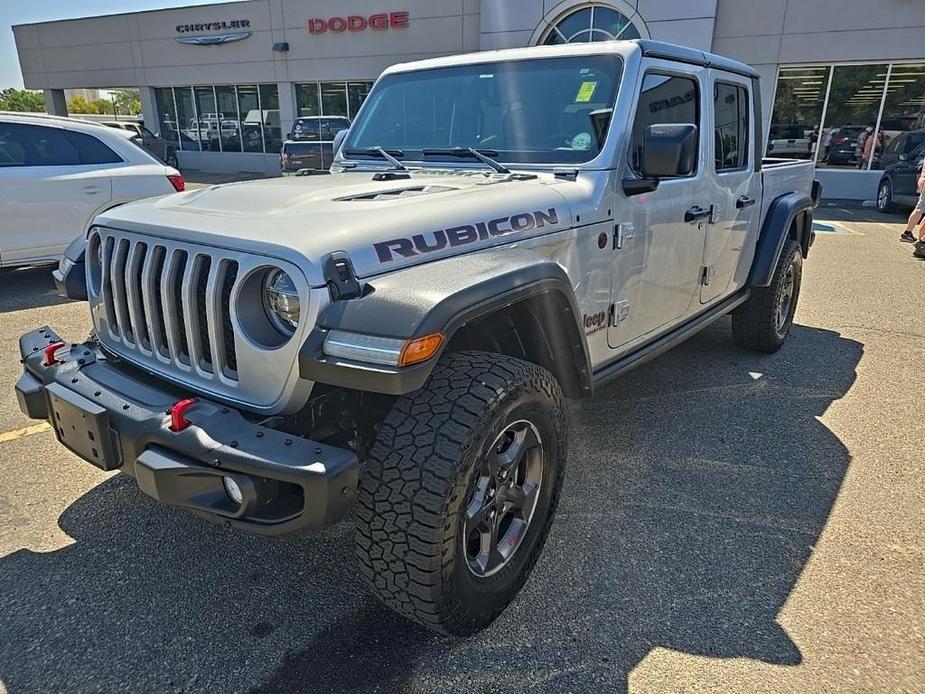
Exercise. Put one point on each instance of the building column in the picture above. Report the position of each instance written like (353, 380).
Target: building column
(55, 103)
(287, 107)
(149, 109)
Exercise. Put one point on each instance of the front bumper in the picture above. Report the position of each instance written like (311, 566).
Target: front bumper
(117, 417)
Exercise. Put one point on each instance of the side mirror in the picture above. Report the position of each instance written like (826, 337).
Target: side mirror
(669, 150)
(904, 157)
(338, 141)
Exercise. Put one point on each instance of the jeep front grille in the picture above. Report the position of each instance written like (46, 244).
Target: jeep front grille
(194, 314)
(170, 303)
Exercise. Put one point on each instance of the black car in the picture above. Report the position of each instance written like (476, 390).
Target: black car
(843, 147)
(899, 182)
(310, 144)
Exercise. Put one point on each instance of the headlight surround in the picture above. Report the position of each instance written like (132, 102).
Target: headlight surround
(281, 301)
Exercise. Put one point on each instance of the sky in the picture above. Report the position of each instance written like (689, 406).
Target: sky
(27, 11)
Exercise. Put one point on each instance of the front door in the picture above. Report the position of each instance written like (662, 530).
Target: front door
(736, 189)
(660, 235)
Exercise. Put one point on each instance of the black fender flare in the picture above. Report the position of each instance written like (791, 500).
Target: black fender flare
(443, 296)
(782, 213)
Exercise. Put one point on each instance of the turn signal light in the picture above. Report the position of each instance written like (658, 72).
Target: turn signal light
(50, 352)
(420, 349)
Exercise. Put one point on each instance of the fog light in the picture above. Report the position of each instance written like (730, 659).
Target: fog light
(233, 490)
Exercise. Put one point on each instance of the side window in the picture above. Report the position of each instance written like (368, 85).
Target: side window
(664, 99)
(43, 146)
(90, 150)
(730, 126)
(12, 150)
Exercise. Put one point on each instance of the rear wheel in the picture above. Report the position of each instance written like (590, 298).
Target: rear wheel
(763, 322)
(171, 159)
(460, 490)
(885, 196)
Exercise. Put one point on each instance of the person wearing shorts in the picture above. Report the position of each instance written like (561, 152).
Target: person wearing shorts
(917, 215)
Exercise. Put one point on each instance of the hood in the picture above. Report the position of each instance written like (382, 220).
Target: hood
(381, 225)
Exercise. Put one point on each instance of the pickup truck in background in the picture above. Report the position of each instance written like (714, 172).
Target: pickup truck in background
(499, 232)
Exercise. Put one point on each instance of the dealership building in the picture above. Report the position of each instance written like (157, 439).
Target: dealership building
(843, 80)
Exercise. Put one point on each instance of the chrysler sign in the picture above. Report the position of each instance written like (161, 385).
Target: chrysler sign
(232, 30)
(355, 22)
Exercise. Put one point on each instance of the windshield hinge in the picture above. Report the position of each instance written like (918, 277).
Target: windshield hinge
(567, 174)
(341, 277)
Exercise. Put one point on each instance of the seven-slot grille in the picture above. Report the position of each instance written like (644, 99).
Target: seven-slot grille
(169, 303)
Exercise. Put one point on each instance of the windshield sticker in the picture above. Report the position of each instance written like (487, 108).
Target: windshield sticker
(461, 235)
(582, 142)
(585, 92)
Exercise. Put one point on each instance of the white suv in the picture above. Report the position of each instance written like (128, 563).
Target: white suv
(57, 174)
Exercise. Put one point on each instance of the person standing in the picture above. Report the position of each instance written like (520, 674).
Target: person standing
(917, 215)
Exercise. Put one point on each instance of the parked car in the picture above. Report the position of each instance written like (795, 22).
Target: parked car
(311, 143)
(790, 142)
(843, 147)
(57, 174)
(163, 149)
(898, 185)
(428, 306)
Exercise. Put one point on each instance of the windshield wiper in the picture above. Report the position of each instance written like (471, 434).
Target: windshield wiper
(484, 156)
(382, 152)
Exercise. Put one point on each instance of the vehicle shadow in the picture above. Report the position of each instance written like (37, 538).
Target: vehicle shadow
(697, 488)
(28, 287)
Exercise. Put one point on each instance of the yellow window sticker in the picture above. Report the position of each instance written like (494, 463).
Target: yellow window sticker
(585, 92)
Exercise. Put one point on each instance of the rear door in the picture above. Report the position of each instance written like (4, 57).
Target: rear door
(51, 183)
(660, 235)
(736, 188)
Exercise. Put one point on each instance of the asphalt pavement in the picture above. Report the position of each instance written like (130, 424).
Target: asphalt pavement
(730, 522)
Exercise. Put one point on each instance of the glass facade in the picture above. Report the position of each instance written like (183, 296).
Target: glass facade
(331, 98)
(862, 117)
(221, 118)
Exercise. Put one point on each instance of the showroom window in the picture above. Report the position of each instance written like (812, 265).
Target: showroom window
(594, 23)
(331, 98)
(222, 118)
(849, 117)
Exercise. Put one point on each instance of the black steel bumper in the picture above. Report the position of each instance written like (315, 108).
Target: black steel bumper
(116, 417)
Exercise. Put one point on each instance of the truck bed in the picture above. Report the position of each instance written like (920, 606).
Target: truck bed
(782, 176)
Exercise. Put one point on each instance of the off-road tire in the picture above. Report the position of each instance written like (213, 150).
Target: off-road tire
(755, 323)
(417, 482)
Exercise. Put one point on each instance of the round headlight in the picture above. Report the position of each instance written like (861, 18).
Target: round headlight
(282, 301)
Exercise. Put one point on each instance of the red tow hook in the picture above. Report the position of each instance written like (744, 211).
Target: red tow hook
(50, 351)
(178, 422)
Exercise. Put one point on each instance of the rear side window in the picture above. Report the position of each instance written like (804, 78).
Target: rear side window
(36, 145)
(664, 99)
(91, 150)
(730, 126)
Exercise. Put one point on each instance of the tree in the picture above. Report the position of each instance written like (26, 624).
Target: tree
(22, 100)
(128, 102)
(79, 104)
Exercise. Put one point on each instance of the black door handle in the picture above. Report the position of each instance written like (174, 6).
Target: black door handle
(697, 212)
(744, 201)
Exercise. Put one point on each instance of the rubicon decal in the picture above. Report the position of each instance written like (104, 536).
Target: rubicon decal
(464, 234)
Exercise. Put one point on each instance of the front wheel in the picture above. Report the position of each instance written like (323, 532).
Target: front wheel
(460, 490)
(763, 322)
(885, 196)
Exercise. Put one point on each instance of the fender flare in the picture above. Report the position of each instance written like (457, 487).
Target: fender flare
(781, 215)
(443, 296)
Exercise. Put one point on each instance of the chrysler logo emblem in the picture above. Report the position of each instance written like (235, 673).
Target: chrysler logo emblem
(213, 39)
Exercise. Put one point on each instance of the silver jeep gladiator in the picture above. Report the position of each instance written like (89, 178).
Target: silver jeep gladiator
(499, 232)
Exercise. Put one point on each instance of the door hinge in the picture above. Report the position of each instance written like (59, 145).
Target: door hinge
(619, 312)
(707, 275)
(623, 233)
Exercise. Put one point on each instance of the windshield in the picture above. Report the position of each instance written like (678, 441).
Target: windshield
(549, 110)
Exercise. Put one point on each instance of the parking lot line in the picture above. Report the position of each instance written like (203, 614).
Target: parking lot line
(25, 431)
